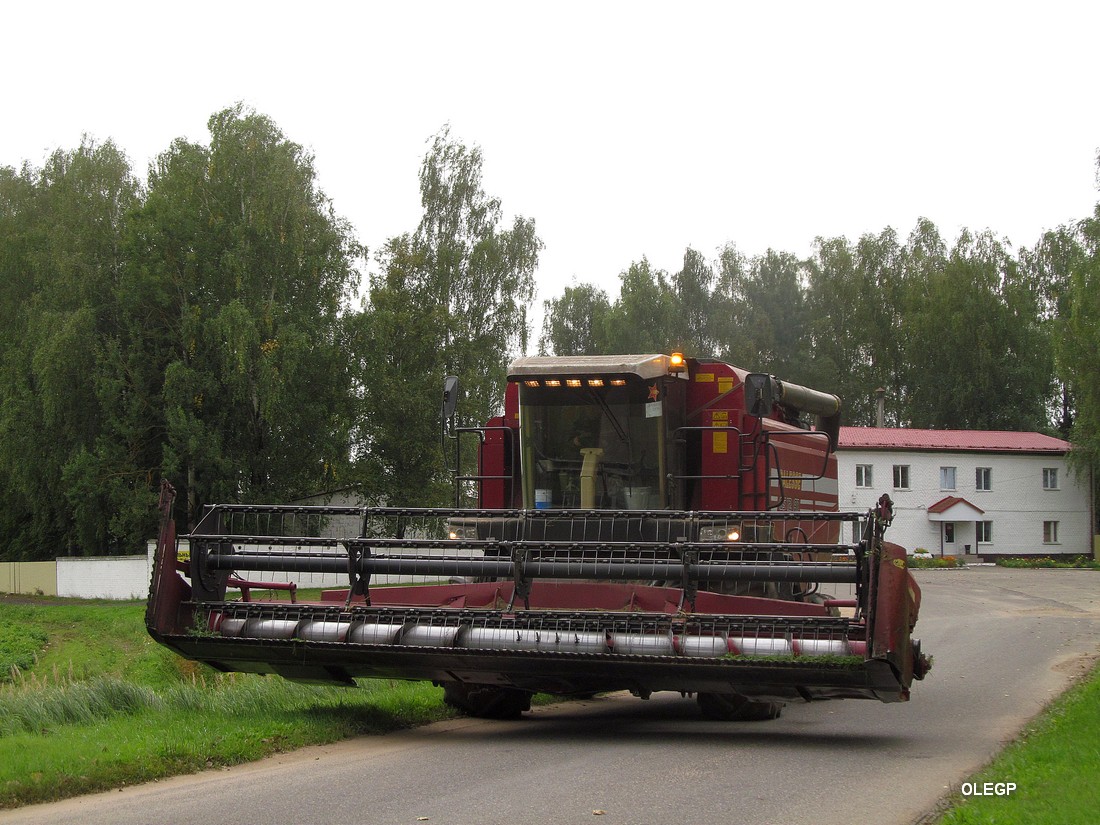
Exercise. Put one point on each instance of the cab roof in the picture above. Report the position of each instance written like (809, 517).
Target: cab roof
(644, 366)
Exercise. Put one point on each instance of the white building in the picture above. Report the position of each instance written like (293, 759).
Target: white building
(961, 492)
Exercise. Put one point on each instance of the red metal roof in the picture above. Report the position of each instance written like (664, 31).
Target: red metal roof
(984, 441)
(945, 504)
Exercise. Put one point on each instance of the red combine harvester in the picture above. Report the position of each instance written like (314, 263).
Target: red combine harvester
(643, 523)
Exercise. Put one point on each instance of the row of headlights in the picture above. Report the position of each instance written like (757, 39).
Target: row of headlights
(574, 382)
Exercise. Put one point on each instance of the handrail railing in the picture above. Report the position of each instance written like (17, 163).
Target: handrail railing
(479, 479)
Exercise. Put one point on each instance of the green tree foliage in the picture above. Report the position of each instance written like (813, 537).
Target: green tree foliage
(693, 321)
(18, 216)
(653, 313)
(1078, 341)
(764, 320)
(1049, 267)
(575, 323)
(400, 374)
(236, 295)
(978, 356)
(451, 299)
(882, 313)
(193, 329)
(957, 339)
(62, 259)
(855, 311)
(482, 272)
(643, 319)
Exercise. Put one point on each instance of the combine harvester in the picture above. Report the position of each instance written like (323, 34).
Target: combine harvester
(644, 523)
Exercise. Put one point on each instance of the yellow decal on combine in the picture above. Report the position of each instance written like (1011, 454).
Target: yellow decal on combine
(900, 563)
(791, 481)
(704, 377)
(725, 384)
(720, 418)
(720, 442)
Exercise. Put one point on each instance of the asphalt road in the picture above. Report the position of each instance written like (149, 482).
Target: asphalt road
(1004, 643)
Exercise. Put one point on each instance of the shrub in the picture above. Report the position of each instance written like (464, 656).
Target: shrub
(935, 562)
(1080, 562)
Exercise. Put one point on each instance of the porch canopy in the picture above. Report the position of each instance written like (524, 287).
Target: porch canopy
(953, 508)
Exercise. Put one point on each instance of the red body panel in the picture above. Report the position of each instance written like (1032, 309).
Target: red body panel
(554, 595)
(716, 400)
(494, 465)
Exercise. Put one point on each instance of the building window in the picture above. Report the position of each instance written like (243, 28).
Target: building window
(1050, 478)
(949, 532)
(901, 476)
(985, 532)
(947, 478)
(983, 478)
(1050, 532)
(863, 475)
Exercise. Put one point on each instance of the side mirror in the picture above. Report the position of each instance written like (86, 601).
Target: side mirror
(450, 398)
(759, 394)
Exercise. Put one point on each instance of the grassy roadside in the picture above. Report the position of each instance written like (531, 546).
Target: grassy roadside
(1054, 766)
(89, 702)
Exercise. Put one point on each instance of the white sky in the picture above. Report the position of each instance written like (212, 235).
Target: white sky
(624, 129)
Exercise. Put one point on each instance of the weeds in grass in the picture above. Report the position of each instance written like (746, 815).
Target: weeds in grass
(19, 648)
(43, 705)
(37, 705)
(108, 731)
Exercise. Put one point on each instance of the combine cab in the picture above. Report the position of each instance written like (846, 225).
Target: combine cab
(643, 523)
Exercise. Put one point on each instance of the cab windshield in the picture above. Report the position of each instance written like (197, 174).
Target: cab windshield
(593, 446)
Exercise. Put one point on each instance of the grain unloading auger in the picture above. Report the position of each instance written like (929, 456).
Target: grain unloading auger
(598, 560)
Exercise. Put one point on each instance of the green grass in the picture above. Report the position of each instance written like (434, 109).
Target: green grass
(84, 737)
(1054, 764)
(81, 639)
(92, 703)
(19, 648)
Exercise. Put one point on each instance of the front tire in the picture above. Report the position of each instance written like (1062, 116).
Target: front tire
(733, 707)
(486, 701)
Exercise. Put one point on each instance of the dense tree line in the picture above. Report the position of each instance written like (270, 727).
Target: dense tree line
(219, 324)
(204, 326)
(961, 336)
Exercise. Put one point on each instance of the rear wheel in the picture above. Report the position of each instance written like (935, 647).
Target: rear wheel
(486, 701)
(821, 598)
(733, 707)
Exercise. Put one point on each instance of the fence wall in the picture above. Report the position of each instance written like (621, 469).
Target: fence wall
(30, 577)
(104, 577)
(116, 577)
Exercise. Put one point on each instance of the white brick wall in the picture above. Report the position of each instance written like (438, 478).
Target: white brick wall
(127, 577)
(104, 577)
(1017, 505)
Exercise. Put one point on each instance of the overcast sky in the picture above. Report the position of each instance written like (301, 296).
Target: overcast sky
(624, 129)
